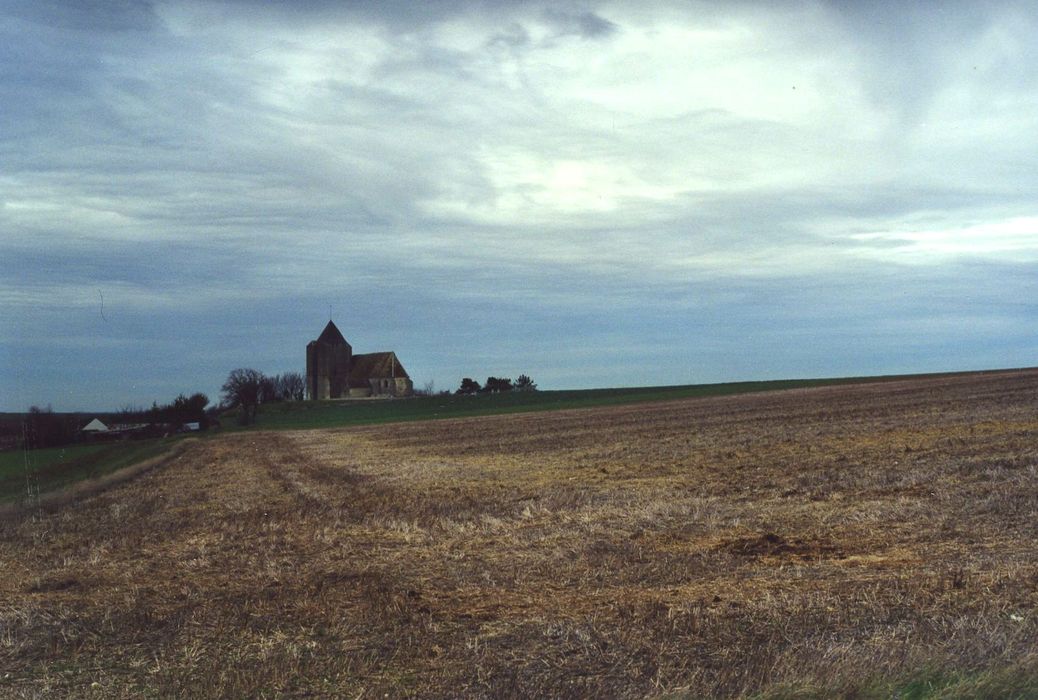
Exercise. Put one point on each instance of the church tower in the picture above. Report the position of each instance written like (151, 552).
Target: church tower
(328, 362)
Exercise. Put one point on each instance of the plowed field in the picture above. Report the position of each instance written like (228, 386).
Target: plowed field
(835, 541)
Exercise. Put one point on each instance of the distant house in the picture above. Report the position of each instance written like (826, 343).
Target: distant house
(95, 426)
(334, 372)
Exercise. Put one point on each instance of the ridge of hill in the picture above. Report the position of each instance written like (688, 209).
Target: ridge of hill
(350, 412)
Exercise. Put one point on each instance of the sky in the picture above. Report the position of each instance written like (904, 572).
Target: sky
(595, 194)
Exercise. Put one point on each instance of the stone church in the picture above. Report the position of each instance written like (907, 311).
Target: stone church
(334, 372)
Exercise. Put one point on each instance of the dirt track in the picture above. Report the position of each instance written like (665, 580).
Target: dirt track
(823, 538)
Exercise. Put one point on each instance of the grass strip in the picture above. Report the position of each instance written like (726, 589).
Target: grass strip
(336, 414)
(44, 470)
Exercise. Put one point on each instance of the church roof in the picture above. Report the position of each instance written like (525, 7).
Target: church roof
(376, 365)
(331, 335)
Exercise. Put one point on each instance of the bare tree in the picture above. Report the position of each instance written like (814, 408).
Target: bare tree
(291, 386)
(268, 389)
(243, 390)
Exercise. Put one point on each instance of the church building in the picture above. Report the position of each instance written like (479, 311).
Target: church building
(334, 372)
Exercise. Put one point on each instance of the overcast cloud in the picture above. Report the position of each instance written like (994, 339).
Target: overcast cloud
(595, 194)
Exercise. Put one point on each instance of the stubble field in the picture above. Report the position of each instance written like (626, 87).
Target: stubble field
(843, 541)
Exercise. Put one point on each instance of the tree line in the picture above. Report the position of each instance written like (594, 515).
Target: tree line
(183, 409)
(42, 427)
(496, 385)
(244, 389)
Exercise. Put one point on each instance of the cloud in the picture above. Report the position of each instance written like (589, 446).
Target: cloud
(587, 25)
(87, 15)
(690, 175)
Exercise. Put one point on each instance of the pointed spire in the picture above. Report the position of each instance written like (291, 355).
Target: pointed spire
(331, 334)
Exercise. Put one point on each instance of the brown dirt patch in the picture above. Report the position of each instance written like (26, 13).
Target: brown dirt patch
(771, 545)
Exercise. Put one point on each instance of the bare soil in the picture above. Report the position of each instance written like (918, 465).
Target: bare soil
(817, 540)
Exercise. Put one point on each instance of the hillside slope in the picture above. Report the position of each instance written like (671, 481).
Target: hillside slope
(841, 539)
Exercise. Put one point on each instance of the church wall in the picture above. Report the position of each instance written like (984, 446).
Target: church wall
(338, 368)
(390, 386)
(327, 370)
(314, 373)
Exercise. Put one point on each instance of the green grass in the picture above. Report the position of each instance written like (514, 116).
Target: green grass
(330, 414)
(13, 463)
(333, 414)
(56, 467)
